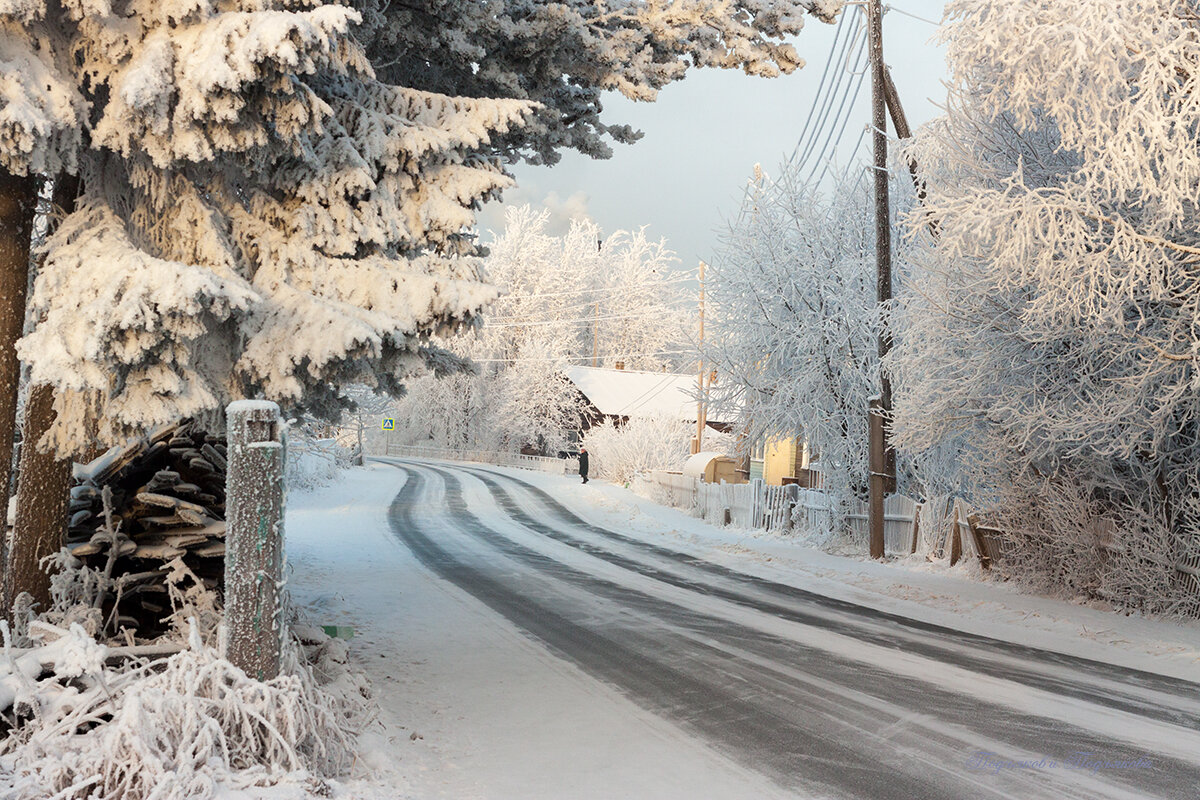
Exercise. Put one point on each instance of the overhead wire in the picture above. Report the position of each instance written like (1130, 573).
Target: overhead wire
(644, 397)
(682, 279)
(829, 60)
(830, 98)
(569, 356)
(579, 308)
(826, 154)
(602, 318)
(891, 7)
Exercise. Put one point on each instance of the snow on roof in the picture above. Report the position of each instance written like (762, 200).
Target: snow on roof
(630, 393)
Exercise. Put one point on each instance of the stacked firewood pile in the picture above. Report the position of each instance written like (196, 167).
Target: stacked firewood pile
(164, 524)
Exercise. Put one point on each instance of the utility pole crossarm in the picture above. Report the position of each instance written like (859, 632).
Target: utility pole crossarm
(900, 123)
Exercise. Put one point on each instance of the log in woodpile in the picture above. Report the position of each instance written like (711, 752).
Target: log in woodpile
(167, 518)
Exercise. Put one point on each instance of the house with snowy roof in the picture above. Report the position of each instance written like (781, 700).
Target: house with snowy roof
(620, 394)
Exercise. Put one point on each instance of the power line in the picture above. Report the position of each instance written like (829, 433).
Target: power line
(827, 102)
(853, 155)
(577, 307)
(568, 357)
(821, 86)
(910, 14)
(597, 289)
(645, 396)
(849, 109)
(647, 313)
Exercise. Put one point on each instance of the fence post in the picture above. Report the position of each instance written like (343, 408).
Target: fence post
(254, 538)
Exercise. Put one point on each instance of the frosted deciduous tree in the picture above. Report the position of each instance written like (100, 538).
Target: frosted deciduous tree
(1050, 329)
(792, 319)
(561, 296)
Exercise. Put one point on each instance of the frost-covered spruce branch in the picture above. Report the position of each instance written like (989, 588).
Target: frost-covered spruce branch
(564, 53)
(1049, 331)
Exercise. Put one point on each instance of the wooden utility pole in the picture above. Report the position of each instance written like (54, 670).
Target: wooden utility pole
(881, 460)
(903, 131)
(698, 445)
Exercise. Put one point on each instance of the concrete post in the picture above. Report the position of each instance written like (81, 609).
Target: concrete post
(254, 538)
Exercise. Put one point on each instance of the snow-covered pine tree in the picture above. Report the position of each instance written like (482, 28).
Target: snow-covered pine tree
(564, 53)
(1050, 329)
(259, 215)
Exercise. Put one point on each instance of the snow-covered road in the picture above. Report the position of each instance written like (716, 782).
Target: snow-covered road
(642, 670)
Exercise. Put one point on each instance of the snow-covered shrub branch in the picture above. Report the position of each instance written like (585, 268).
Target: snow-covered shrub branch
(1050, 327)
(168, 729)
(620, 452)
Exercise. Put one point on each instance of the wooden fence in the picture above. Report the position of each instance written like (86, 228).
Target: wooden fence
(553, 466)
(950, 533)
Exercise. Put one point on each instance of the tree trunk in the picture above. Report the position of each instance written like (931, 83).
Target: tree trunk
(44, 480)
(18, 202)
(43, 492)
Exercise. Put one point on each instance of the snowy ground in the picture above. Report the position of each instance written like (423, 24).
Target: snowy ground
(519, 723)
(472, 707)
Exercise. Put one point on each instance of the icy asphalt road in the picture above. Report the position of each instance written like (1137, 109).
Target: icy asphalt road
(822, 697)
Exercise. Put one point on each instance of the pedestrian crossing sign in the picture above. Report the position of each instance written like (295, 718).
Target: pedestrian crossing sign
(389, 424)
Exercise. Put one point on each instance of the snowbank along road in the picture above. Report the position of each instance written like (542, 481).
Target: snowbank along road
(823, 697)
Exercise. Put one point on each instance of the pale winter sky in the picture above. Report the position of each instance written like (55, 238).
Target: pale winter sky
(704, 135)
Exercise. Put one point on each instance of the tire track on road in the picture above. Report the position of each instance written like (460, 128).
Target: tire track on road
(1181, 708)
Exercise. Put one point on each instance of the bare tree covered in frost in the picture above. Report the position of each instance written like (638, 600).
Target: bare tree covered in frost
(259, 214)
(564, 54)
(1050, 328)
(792, 320)
(558, 293)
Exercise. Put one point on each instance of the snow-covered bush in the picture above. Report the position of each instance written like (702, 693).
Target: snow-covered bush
(312, 463)
(170, 729)
(1050, 314)
(620, 452)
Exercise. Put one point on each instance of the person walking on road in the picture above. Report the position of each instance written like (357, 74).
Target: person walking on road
(583, 463)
